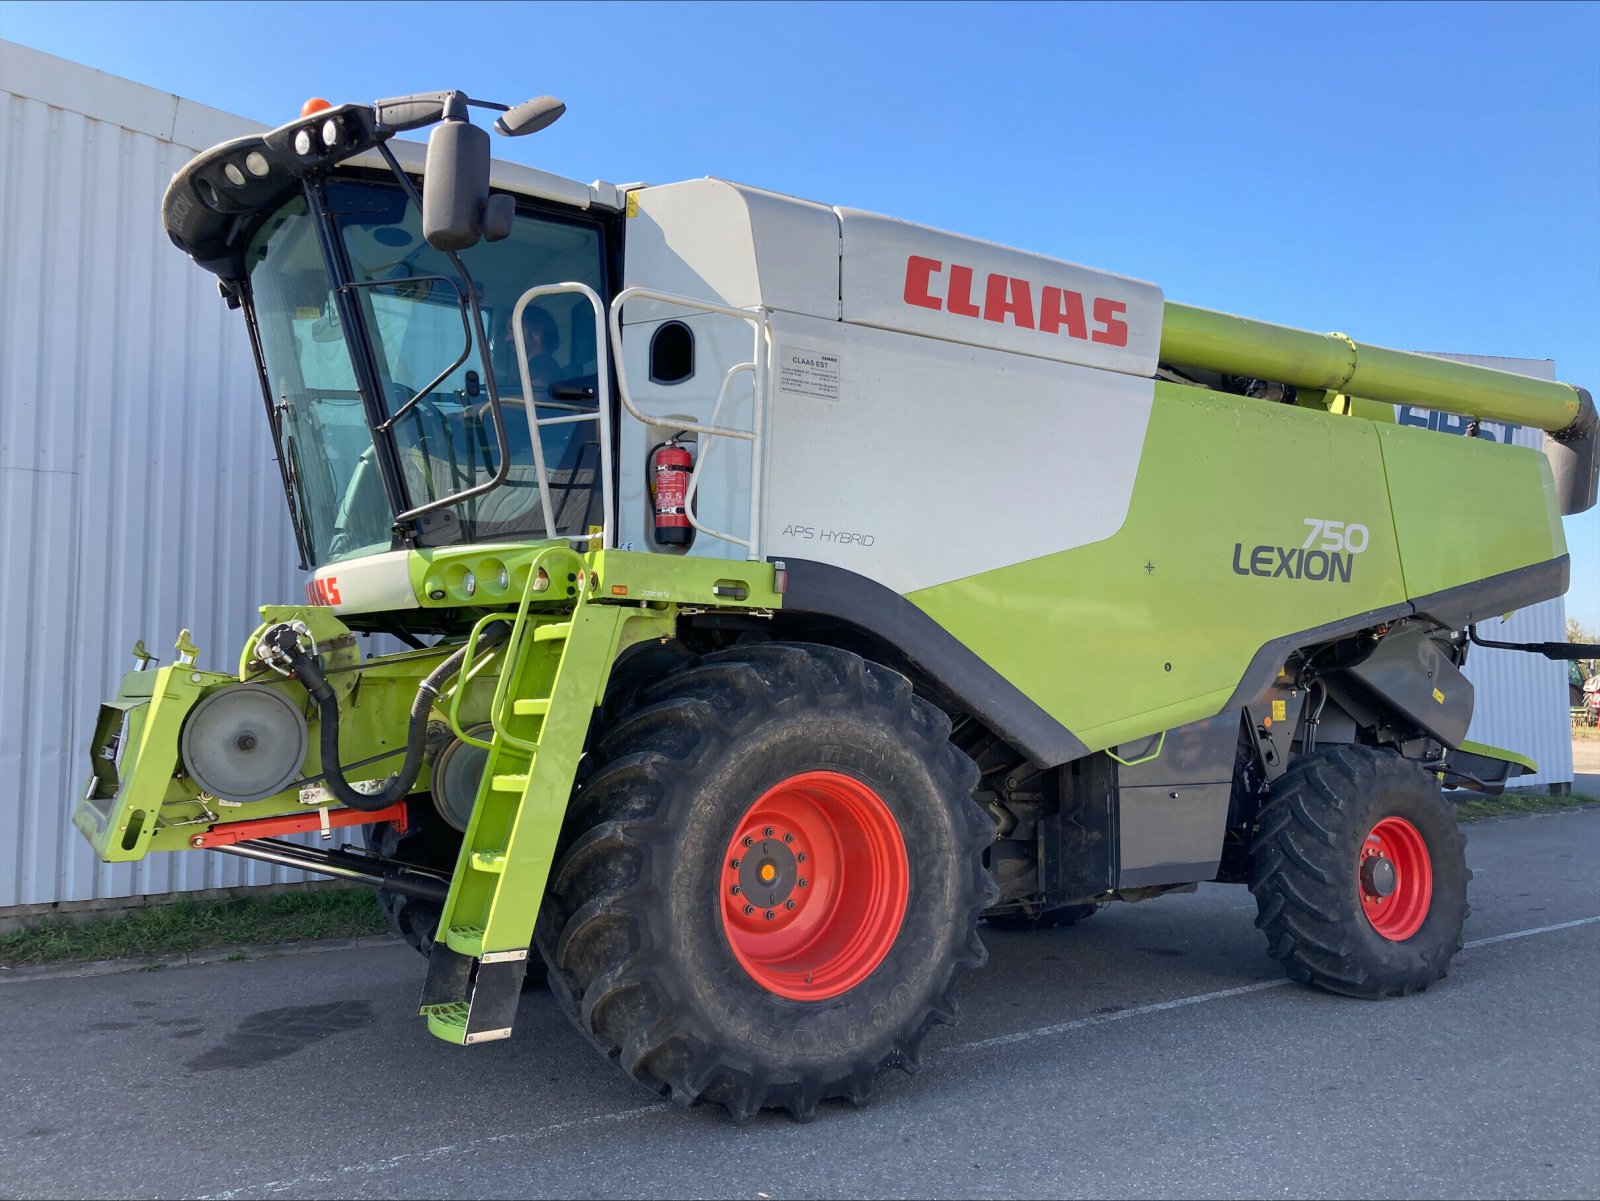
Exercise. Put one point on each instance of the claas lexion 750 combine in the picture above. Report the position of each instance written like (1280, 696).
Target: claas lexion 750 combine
(790, 590)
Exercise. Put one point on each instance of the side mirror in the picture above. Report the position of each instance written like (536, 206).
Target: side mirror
(530, 116)
(455, 185)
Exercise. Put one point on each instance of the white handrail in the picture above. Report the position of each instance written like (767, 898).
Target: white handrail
(601, 415)
(757, 369)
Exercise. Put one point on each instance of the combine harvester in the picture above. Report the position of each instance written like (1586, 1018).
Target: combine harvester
(791, 589)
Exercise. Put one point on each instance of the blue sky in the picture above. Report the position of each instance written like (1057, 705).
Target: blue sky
(1424, 177)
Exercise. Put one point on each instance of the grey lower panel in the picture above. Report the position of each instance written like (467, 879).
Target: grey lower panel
(1201, 752)
(1170, 834)
(1482, 599)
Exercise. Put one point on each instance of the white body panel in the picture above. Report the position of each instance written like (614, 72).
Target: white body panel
(913, 442)
(369, 584)
(732, 245)
(921, 281)
(939, 461)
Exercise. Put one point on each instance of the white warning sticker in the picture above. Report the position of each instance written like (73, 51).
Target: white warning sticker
(808, 372)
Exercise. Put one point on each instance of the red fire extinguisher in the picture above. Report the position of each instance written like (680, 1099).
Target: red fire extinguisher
(670, 464)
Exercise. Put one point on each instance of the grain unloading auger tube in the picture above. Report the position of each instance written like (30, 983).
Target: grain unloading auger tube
(1336, 365)
(718, 710)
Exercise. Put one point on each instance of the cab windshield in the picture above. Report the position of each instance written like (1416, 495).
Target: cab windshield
(413, 337)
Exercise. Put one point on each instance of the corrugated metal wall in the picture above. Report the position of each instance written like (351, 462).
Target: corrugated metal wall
(1521, 701)
(137, 488)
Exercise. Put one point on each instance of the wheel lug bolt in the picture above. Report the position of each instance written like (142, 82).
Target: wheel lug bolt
(802, 882)
(801, 857)
(749, 909)
(749, 842)
(767, 833)
(735, 864)
(788, 838)
(788, 904)
(771, 915)
(734, 890)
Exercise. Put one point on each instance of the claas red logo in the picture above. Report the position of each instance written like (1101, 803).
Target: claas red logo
(323, 591)
(1007, 299)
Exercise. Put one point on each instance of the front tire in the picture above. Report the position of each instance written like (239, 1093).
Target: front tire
(1360, 874)
(755, 769)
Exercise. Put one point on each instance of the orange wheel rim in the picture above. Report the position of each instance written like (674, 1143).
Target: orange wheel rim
(1395, 877)
(814, 886)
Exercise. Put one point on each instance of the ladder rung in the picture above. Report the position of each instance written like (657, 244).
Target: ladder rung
(511, 783)
(531, 706)
(465, 940)
(450, 1013)
(489, 861)
(552, 631)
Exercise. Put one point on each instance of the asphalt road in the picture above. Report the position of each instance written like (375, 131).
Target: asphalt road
(1151, 1052)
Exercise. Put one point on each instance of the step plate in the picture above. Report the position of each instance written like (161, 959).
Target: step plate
(487, 990)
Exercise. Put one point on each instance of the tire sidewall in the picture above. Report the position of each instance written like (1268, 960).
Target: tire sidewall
(699, 962)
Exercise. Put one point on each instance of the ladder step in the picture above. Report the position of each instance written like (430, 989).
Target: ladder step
(511, 783)
(553, 632)
(451, 1013)
(531, 707)
(493, 862)
(465, 940)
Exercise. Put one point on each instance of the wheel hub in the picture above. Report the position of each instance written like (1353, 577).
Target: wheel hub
(1377, 876)
(768, 871)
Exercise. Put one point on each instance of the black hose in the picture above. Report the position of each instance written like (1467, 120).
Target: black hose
(1550, 650)
(308, 671)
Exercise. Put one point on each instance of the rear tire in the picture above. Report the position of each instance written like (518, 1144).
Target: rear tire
(1360, 874)
(651, 951)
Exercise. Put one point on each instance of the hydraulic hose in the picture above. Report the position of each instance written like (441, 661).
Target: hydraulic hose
(305, 668)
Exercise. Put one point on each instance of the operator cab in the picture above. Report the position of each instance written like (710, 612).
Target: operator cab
(389, 366)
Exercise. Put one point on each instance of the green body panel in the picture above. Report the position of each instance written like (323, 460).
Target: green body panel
(139, 800)
(1154, 627)
(439, 574)
(143, 788)
(678, 579)
(132, 783)
(1192, 337)
(1466, 509)
(1528, 766)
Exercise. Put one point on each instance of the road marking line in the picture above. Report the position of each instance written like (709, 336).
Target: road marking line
(1483, 942)
(299, 1183)
(1122, 1015)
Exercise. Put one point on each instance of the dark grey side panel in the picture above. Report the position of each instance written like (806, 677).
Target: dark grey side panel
(1453, 608)
(1409, 672)
(1456, 607)
(829, 591)
(1172, 812)
(1259, 677)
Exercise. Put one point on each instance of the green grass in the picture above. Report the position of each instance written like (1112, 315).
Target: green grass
(1480, 807)
(186, 925)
